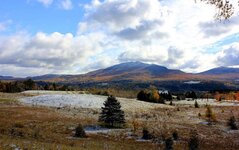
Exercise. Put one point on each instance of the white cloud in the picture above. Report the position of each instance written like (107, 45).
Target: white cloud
(170, 33)
(63, 53)
(229, 56)
(46, 2)
(118, 15)
(66, 4)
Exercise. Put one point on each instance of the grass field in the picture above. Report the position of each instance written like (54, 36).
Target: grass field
(41, 127)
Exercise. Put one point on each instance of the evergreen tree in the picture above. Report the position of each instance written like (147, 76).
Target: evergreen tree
(80, 132)
(232, 123)
(142, 95)
(196, 104)
(111, 114)
(29, 84)
(175, 135)
(46, 87)
(191, 95)
(169, 144)
(171, 103)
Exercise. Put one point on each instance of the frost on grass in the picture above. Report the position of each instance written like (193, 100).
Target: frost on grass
(64, 99)
(61, 100)
(212, 102)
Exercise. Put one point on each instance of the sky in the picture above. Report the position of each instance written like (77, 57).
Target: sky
(77, 36)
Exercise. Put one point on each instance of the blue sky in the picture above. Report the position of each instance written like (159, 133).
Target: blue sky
(33, 16)
(76, 36)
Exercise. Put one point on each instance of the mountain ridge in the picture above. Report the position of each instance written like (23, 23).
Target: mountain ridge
(220, 70)
(138, 71)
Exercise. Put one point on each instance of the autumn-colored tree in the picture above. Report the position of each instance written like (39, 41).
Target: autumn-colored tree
(218, 96)
(210, 115)
(237, 95)
(136, 125)
(150, 96)
(230, 96)
(154, 96)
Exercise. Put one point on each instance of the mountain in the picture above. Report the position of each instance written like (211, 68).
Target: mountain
(138, 71)
(44, 77)
(138, 75)
(132, 68)
(221, 71)
(7, 78)
(133, 71)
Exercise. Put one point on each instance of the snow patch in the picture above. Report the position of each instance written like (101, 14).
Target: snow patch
(79, 99)
(62, 100)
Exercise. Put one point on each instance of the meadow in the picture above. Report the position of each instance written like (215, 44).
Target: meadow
(43, 120)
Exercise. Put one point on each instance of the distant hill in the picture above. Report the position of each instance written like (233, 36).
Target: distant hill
(221, 71)
(7, 78)
(133, 71)
(138, 71)
(45, 77)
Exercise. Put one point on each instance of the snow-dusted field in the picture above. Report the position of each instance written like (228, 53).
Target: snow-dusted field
(212, 102)
(74, 99)
(52, 92)
(61, 100)
(71, 99)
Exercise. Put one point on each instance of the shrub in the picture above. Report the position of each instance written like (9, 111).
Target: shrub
(169, 144)
(80, 132)
(146, 134)
(199, 115)
(232, 123)
(196, 104)
(135, 125)
(193, 143)
(171, 103)
(210, 115)
(175, 135)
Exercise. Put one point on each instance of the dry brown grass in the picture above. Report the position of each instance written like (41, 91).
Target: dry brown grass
(51, 128)
(162, 122)
(34, 127)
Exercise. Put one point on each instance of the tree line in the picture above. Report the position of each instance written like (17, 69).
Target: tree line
(156, 97)
(29, 84)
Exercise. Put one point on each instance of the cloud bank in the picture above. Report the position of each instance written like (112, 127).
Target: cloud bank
(177, 34)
